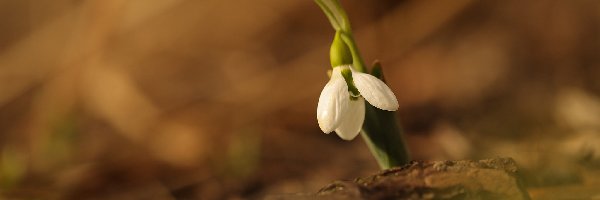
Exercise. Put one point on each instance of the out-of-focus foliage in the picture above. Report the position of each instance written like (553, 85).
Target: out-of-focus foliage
(217, 99)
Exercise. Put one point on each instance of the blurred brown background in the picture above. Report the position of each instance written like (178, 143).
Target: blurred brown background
(171, 99)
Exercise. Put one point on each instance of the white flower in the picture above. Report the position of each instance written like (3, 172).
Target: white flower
(337, 112)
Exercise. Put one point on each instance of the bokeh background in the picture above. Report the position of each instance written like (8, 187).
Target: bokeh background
(172, 99)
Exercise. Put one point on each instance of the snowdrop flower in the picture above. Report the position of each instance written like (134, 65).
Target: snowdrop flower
(341, 110)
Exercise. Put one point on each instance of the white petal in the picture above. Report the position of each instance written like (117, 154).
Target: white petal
(353, 120)
(375, 91)
(333, 102)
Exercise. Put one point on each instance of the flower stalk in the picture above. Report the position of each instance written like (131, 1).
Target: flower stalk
(338, 111)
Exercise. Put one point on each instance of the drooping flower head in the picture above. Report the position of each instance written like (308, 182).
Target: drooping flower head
(341, 106)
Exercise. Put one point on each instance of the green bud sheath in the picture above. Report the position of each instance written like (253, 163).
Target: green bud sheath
(339, 54)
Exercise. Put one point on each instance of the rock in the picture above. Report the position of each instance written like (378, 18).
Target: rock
(484, 179)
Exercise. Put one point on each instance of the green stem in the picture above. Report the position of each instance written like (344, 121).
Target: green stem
(384, 138)
(358, 62)
(380, 130)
